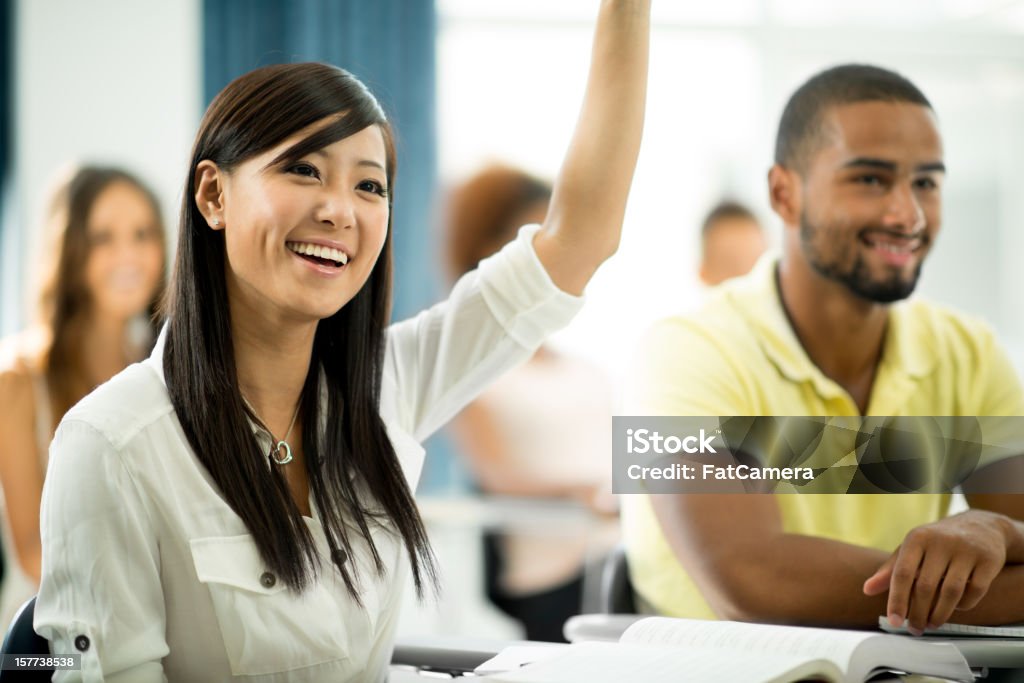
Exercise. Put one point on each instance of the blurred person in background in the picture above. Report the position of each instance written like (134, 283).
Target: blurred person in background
(102, 275)
(541, 430)
(731, 241)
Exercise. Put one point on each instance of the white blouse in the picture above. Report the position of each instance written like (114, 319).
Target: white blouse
(149, 574)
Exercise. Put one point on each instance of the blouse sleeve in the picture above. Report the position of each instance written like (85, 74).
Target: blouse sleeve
(495, 318)
(100, 595)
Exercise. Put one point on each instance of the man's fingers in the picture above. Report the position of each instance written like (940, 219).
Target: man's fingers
(904, 572)
(930, 575)
(878, 583)
(978, 584)
(951, 592)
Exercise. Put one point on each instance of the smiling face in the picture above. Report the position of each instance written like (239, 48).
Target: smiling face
(126, 252)
(869, 205)
(302, 236)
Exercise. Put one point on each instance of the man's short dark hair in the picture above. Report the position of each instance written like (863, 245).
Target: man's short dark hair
(726, 210)
(801, 129)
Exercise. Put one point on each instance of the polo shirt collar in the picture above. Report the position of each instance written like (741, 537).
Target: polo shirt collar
(907, 350)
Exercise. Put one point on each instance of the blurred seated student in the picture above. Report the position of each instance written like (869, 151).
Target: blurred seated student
(541, 430)
(731, 242)
(822, 330)
(103, 273)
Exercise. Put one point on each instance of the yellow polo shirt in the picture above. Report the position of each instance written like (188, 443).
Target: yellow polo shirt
(738, 355)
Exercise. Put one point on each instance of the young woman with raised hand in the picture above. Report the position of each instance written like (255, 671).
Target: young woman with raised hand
(102, 275)
(241, 503)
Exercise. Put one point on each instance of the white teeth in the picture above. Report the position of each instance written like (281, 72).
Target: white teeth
(896, 249)
(319, 251)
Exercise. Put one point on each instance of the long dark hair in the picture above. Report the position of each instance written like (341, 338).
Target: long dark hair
(352, 467)
(65, 301)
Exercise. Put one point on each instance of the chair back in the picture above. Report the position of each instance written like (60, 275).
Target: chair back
(21, 639)
(616, 589)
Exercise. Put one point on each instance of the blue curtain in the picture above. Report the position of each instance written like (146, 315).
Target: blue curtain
(6, 86)
(10, 266)
(390, 46)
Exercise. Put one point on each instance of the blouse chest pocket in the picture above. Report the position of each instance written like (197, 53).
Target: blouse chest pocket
(266, 628)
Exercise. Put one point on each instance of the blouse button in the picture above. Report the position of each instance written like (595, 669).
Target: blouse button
(267, 580)
(339, 556)
(82, 643)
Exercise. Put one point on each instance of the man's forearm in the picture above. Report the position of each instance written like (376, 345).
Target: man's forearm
(1003, 604)
(796, 579)
(811, 581)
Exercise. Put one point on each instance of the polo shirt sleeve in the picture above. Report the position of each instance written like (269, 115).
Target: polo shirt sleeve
(998, 389)
(684, 368)
(495, 318)
(100, 595)
(996, 392)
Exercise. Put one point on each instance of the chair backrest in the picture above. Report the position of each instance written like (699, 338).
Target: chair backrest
(616, 589)
(21, 639)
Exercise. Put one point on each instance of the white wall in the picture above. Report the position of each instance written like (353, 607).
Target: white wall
(108, 81)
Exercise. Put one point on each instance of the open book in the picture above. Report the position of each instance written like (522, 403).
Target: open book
(961, 630)
(663, 649)
(999, 647)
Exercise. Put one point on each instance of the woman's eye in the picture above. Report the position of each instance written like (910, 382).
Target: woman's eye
(926, 184)
(374, 187)
(307, 170)
(869, 180)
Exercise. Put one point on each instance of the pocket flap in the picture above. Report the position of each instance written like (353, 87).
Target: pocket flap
(235, 561)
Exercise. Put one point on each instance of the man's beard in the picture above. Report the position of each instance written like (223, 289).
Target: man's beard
(857, 277)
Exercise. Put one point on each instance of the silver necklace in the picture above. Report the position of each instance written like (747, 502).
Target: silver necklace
(275, 451)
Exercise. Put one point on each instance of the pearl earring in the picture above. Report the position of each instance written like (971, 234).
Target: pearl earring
(216, 222)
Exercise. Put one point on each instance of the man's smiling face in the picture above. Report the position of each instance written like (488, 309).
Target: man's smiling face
(872, 197)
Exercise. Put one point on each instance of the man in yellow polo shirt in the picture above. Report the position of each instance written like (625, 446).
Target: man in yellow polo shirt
(822, 330)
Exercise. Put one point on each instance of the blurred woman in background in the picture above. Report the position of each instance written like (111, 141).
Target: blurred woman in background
(542, 430)
(103, 273)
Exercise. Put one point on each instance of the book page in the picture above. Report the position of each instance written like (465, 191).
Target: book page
(597, 662)
(516, 656)
(834, 645)
(959, 630)
(869, 650)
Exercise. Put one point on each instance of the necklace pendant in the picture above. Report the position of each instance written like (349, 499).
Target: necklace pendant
(286, 458)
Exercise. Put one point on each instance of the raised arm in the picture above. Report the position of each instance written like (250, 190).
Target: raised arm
(584, 221)
(498, 315)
